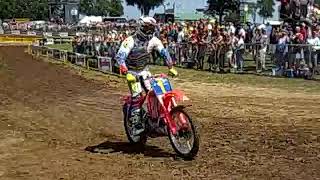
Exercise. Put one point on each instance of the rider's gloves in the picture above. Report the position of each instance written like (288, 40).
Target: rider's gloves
(173, 72)
(123, 69)
(130, 78)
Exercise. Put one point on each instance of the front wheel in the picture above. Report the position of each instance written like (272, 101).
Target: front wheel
(186, 142)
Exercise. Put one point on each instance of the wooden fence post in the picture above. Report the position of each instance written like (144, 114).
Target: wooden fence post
(87, 62)
(65, 56)
(29, 49)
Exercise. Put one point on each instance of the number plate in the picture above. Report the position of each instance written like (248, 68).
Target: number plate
(161, 86)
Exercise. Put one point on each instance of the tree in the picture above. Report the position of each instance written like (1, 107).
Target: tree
(265, 8)
(33, 9)
(7, 9)
(115, 8)
(145, 5)
(38, 9)
(87, 7)
(220, 7)
(101, 7)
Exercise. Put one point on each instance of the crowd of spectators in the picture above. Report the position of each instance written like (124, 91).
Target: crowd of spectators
(99, 44)
(54, 26)
(223, 45)
(289, 45)
(186, 41)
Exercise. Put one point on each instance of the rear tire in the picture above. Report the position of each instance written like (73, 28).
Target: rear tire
(138, 141)
(196, 137)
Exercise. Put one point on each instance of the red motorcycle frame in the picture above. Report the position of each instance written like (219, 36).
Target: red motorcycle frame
(170, 101)
(162, 103)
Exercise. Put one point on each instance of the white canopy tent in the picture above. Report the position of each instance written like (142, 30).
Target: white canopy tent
(90, 19)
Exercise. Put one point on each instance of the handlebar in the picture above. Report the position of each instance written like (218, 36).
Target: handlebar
(145, 72)
(162, 75)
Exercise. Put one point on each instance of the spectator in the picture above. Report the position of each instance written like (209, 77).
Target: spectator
(304, 7)
(304, 31)
(295, 9)
(193, 40)
(281, 48)
(242, 32)
(315, 41)
(298, 51)
(262, 41)
(217, 48)
(239, 53)
(230, 28)
(202, 37)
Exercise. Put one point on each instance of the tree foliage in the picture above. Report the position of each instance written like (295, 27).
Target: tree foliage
(266, 8)
(115, 8)
(87, 7)
(145, 5)
(38, 9)
(33, 9)
(220, 7)
(101, 7)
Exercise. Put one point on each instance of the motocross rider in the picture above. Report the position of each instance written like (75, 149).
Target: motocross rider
(134, 55)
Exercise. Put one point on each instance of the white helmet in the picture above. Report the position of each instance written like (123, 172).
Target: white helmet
(147, 26)
(147, 21)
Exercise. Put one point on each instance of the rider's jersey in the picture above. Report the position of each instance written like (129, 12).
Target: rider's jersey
(135, 53)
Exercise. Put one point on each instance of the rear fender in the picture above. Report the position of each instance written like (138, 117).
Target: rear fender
(125, 99)
(133, 102)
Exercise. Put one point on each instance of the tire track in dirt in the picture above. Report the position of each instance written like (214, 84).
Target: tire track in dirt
(59, 114)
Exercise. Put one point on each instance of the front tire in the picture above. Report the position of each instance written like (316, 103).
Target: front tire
(193, 149)
(138, 141)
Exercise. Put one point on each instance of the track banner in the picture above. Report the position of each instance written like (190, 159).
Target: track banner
(105, 64)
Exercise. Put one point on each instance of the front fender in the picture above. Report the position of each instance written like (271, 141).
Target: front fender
(178, 97)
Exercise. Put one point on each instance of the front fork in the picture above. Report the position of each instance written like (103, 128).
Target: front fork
(168, 116)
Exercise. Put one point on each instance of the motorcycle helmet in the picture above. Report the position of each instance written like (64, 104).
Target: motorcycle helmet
(146, 26)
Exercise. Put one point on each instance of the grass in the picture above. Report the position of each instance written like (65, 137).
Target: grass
(292, 85)
(244, 80)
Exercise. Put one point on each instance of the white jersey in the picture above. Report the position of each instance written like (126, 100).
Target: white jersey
(136, 53)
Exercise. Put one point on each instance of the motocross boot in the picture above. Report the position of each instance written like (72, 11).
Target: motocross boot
(136, 116)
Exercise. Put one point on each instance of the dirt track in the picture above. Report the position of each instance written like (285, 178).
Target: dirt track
(49, 116)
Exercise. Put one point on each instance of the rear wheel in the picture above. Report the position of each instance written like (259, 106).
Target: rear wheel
(186, 142)
(137, 140)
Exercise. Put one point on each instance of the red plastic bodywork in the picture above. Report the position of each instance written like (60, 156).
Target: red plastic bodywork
(165, 107)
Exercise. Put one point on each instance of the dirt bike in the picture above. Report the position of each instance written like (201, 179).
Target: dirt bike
(160, 115)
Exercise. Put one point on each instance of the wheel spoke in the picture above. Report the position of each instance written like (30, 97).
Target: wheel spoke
(184, 139)
(189, 146)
